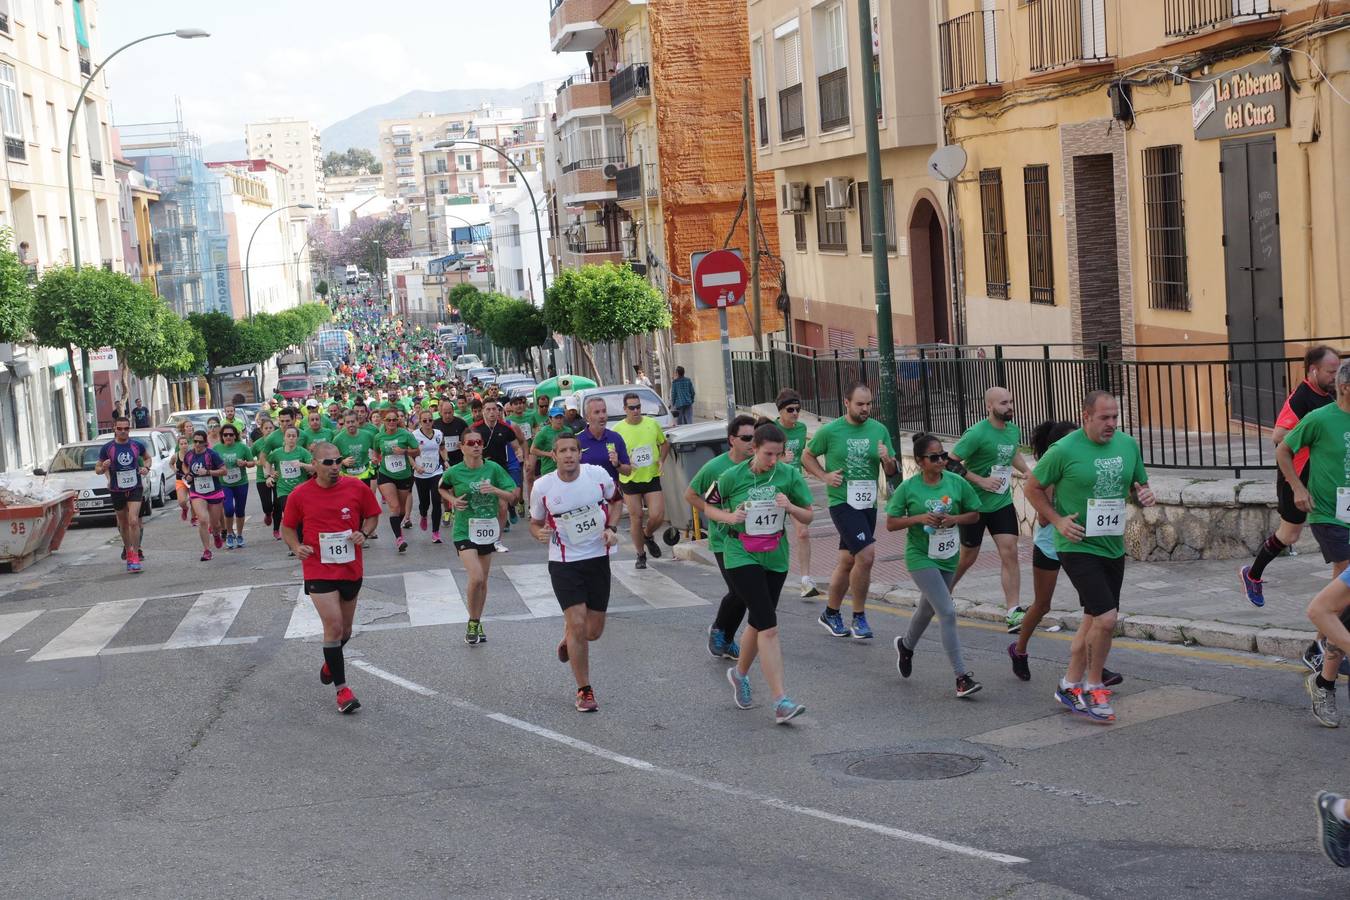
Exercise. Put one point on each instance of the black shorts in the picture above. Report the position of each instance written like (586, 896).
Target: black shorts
(1284, 498)
(1000, 521)
(346, 590)
(483, 549)
(120, 499)
(403, 484)
(1334, 541)
(1040, 561)
(758, 588)
(641, 487)
(1097, 579)
(856, 527)
(584, 581)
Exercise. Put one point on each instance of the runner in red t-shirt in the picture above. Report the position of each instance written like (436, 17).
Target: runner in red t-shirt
(336, 514)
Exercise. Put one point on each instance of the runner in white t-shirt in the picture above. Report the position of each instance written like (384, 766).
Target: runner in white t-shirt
(576, 510)
(427, 471)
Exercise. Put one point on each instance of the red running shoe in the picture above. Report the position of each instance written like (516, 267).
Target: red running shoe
(183, 511)
(206, 556)
(346, 701)
(325, 676)
(220, 541)
(424, 523)
(194, 521)
(586, 701)
(267, 518)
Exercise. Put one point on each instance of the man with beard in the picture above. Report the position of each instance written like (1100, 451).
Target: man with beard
(986, 455)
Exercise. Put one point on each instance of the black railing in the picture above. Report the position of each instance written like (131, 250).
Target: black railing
(1064, 32)
(833, 88)
(4, 22)
(1185, 17)
(598, 162)
(14, 148)
(603, 245)
(1213, 412)
(629, 83)
(762, 117)
(583, 77)
(96, 166)
(628, 183)
(553, 7)
(962, 50)
(791, 119)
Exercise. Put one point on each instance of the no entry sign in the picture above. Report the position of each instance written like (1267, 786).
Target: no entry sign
(720, 278)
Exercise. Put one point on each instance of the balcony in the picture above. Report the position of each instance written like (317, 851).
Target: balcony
(85, 66)
(585, 181)
(577, 251)
(1068, 37)
(791, 118)
(628, 182)
(631, 84)
(4, 23)
(574, 25)
(14, 149)
(96, 166)
(968, 55)
(833, 87)
(1183, 18)
(582, 92)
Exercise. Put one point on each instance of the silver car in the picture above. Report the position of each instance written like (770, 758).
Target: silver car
(652, 404)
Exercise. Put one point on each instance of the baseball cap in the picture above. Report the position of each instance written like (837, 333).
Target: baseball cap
(312, 402)
(557, 409)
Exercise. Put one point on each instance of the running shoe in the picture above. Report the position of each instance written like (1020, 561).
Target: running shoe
(194, 520)
(424, 523)
(206, 556)
(786, 710)
(512, 515)
(1254, 587)
(1072, 699)
(717, 642)
(860, 630)
(435, 537)
(325, 676)
(407, 524)
(1323, 702)
(471, 633)
(218, 539)
(653, 548)
(445, 517)
(346, 701)
(1021, 662)
(276, 535)
(833, 622)
(501, 548)
(1312, 656)
(402, 545)
(563, 655)
(740, 689)
(967, 685)
(482, 635)
(586, 701)
(1111, 679)
(904, 657)
(809, 589)
(229, 540)
(1334, 830)
(1097, 703)
(267, 518)
(124, 553)
(239, 542)
(1014, 619)
(733, 651)
(641, 561)
(182, 511)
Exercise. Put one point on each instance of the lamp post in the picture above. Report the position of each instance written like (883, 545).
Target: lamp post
(90, 419)
(248, 287)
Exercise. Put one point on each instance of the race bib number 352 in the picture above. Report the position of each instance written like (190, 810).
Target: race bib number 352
(861, 494)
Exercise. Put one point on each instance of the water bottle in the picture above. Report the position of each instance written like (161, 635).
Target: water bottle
(941, 509)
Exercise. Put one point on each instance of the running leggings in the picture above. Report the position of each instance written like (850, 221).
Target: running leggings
(267, 497)
(428, 495)
(758, 588)
(278, 509)
(236, 500)
(935, 586)
(731, 611)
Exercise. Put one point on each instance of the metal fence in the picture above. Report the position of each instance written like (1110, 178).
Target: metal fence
(1191, 406)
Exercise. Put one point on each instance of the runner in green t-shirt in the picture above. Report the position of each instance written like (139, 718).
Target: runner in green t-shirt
(394, 450)
(930, 508)
(238, 459)
(701, 492)
(789, 404)
(1093, 470)
(355, 446)
(288, 465)
(845, 454)
(314, 429)
(987, 454)
(755, 499)
(647, 450)
(541, 449)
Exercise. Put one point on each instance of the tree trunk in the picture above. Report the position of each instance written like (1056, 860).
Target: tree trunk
(590, 359)
(623, 362)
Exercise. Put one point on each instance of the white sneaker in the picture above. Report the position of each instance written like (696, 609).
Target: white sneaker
(502, 548)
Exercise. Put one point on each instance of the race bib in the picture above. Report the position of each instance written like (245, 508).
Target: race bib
(290, 469)
(451, 443)
(127, 479)
(1343, 504)
(581, 526)
(861, 494)
(1003, 475)
(942, 543)
(763, 517)
(430, 459)
(484, 531)
(396, 462)
(526, 430)
(641, 456)
(1105, 518)
(336, 547)
(203, 484)
(232, 474)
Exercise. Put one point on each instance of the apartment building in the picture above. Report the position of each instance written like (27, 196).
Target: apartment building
(516, 236)
(1155, 173)
(293, 144)
(808, 74)
(262, 249)
(400, 144)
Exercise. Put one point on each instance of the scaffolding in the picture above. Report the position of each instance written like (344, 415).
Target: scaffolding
(189, 234)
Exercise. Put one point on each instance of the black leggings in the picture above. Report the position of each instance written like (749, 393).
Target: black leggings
(758, 588)
(429, 495)
(731, 611)
(267, 497)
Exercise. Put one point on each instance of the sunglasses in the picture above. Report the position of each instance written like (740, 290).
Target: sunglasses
(747, 438)
(330, 462)
(632, 408)
(121, 428)
(198, 441)
(471, 443)
(935, 457)
(229, 434)
(792, 409)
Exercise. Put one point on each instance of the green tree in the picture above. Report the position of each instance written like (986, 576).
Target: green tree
(321, 288)
(517, 325)
(16, 297)
(92, 308)
(459, 295)
(599, 304)
(220, 333)
(351, 162)
(174, 348)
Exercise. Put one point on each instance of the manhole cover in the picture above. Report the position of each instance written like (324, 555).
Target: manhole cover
(913, 766)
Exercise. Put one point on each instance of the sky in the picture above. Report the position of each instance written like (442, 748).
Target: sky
(316, 59)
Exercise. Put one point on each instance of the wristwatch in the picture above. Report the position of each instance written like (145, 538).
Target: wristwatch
(613, 528)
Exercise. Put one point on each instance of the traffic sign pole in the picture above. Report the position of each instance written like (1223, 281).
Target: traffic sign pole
(720, 280)
(727, 384)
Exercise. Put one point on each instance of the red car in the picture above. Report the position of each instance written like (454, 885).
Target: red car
(295, 387)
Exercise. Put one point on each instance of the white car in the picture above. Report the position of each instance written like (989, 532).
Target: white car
(72, 469)
(197, 417)
(652, 404)
(466, 361)
(160, 442)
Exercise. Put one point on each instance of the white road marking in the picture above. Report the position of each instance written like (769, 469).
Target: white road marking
(305, 621)
(10, 623)
(660, 591)
(209, 619)
(716, 786)
(535, 588)
(91, 631)
(433, 598)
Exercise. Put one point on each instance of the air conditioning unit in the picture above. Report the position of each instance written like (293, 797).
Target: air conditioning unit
(611, 170)
(838, 193)
(795, 196)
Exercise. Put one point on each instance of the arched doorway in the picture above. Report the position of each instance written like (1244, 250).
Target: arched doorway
(928, 272)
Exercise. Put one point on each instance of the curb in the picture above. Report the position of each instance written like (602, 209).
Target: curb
(1285, 643)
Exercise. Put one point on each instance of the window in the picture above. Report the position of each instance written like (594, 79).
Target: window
(1165, 228)
(9, 113)
(995, 234)
(799, 230)
(29, 118)
(865, 214)
(761, 91)
(52, 128)
(787, 41)
(831, 226)
(831, 52)
(1040, 260)
(4, 17)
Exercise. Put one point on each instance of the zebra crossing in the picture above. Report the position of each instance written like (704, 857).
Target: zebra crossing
(214, 617)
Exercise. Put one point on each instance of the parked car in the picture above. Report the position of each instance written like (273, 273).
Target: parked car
(197, 417)
(247, 411)
(161, 444)
(466, 361)
(511, 379)
(484, 374)
(322, 369)
(652, 404)
(295, 387)
(72, 469)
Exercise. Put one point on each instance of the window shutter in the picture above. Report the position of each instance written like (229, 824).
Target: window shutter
(1093, 15)
(792, 59)
(990, 41)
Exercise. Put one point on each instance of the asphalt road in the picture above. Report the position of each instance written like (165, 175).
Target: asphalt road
(165, 738)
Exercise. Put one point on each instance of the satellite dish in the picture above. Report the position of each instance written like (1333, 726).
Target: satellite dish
(947, 163)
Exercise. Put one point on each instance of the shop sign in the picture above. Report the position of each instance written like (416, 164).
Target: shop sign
(1244, 101)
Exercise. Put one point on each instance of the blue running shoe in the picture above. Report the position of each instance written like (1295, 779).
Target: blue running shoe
(740, 688)
(861, 630)
(229, 540)
(1253, 586)
(786, 710)
(1335, 831)
(239, 542)
(717, 642)
(733, 650)
(833, 622)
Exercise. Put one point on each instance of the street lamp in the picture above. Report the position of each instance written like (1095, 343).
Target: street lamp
(90, 419)
(248, 287)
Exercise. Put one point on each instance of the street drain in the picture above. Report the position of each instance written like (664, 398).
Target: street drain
(913, 766)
